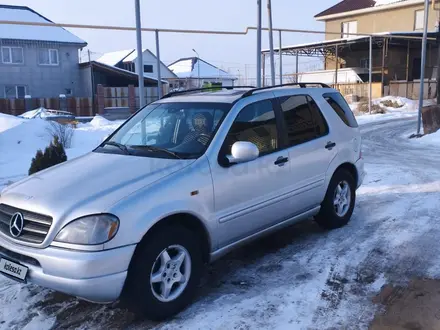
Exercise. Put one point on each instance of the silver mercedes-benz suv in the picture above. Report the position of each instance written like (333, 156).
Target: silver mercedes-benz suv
(182, 182)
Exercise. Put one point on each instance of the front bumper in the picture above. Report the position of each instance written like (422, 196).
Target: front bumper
(94, 276)
(361, 172)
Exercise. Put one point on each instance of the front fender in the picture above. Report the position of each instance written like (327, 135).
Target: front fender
(189, 191)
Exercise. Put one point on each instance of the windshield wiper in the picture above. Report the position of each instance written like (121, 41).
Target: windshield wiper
(151, 148)
(118, 145)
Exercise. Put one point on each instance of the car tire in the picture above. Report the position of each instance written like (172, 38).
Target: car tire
(150, 298)
(338, 205)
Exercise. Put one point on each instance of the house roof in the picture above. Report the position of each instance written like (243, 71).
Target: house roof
(129, 55)
(118, 71)
(352, 5)
(114, 58)
(33, 33)
(189, 68)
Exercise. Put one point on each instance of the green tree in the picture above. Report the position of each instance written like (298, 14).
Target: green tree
(53, 154)
(37, 162)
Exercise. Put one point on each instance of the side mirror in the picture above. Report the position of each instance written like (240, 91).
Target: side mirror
(243, 152)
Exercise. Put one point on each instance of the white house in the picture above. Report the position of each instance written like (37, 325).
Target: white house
(194, 72)
(127, 60)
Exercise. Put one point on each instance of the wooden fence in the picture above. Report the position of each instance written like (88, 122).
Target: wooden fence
(79, 106)
(120, 96)
(411, 89)
(106, 97)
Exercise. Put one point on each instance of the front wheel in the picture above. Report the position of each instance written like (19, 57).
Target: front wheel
(339, 201)
(164, 273)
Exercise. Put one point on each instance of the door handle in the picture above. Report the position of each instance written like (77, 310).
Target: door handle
(281, 161)
(330, 145)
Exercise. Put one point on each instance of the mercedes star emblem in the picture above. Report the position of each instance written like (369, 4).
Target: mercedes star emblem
(16, 224)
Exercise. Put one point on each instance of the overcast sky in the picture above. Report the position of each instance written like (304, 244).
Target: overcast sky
(229, 52)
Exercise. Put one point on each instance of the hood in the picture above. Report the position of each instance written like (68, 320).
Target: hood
(88, 184)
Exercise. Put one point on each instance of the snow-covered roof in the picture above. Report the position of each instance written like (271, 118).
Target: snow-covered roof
(189, 68)
(34, 33)
(126, 72)
(114, 58)
(133, 56)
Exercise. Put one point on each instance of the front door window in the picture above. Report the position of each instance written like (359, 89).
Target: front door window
(256, 123)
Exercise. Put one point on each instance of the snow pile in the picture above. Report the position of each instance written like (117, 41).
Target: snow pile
(99, 121)
(407, 108)
(431, 139)
(20, 139)
(7, 122)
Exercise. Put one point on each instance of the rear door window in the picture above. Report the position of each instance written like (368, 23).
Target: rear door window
(340, 106)
(304, 121)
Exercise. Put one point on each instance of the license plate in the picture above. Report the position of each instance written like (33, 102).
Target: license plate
(12, 269)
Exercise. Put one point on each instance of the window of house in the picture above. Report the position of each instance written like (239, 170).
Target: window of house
(15, 91)
(256, 123)
(48, 56)
(347, 28)
(340, 106)
(303, 118)
(419, 19)
(148, 68)
(12, 55)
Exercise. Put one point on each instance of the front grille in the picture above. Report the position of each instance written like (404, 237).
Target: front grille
(36, 226)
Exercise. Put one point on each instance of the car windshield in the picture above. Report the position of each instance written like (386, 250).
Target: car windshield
(168, 130)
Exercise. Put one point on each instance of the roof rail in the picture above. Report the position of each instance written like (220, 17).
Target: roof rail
(302, 85)
(204, 89)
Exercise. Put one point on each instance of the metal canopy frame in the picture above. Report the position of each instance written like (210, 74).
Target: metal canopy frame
(328, 48)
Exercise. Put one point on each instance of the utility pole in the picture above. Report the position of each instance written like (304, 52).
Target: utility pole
(422, 69)
(159, 77)
(198, 67)
(92, 80)
(281, 59)
(438, 55)
(370, 76)
(259, 43)
(272, 57)
(140, 61)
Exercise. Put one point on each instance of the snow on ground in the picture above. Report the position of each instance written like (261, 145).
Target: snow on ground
(429, 139)
(408, 108)
(300, 278)
(21, 138)
(7, 122)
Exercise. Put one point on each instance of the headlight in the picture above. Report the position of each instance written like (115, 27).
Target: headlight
(90, 230)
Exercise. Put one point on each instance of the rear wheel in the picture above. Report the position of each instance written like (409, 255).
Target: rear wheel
(164, 273)
(338, 205)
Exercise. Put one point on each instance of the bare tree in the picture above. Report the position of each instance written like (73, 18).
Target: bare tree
(64, 132)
